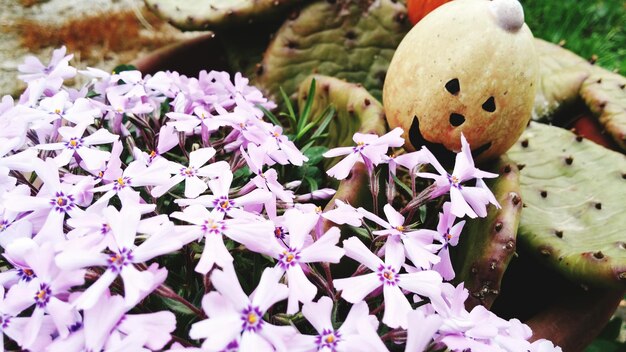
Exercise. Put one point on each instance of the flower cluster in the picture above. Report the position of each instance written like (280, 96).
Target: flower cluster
(137, 197)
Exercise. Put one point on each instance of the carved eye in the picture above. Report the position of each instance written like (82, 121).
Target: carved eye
(453, 86)
(456, 120)
(489, 105)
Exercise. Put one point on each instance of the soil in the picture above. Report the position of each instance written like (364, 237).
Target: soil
(100, 33)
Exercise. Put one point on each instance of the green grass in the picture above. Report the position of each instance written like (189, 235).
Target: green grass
(588, 27)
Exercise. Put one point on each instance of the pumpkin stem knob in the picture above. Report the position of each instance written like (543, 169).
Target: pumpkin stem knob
(509, 14)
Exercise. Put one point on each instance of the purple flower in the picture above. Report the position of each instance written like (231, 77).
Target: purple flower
(466, 200)
(108, 321)
(122, 255)
(53, 74)
(46, 289)
(299, 252)
(421, 330)
(233, 316)
(220, 199)
(357, 333)
(369, 148)
(386, 274)
(75, 144)
(252, 231)
(191, 174)
(416, 244)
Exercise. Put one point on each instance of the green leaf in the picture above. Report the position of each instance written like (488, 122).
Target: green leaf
(304, 116)
(242, 172)
(422, 211)
(361, 232)
(312, 183)
(305, 130)
(269, 115)
(612, 330)
(92, 94)
(176, 306)
(292, 114)
(327, 116)
(406, 188)
(315, 154)
(124, 67)
(605, 346)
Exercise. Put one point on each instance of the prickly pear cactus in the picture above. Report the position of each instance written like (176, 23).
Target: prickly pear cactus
(573, 216)
(604, 92)
(347, 39)
(561, 74)
(211, 14)
(486, 249)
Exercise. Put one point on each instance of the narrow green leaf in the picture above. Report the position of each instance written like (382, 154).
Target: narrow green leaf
(305, 129)
(292, 114)
(304, 116)
(406, 188)
(327, 116)
(313, 185)
(269, 115)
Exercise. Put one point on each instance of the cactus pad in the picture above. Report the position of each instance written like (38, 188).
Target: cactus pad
(604, 93)
(489, 243)
(573, 216)
(347, 39)
(561, 74)
(211, 14)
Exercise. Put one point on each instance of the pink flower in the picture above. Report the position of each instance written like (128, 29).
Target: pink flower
(122, 254)
(53, 202)
(45, 287)
(448, 235)
(191, 174)
(357, 333)
(369, 149)
(253, 232)
(267, 180)
(386, 274)
(236, 318)
(220, 199)
(421, 330)
(280, 149)
(53, 74)
(136, 174)
(73, 143)
(416, 244)
(108, 321)
(298, 252)
(470, 201)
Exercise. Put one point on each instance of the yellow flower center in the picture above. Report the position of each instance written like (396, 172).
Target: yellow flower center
(41, 294)
(330, 339)
(454, 179)
(120, 181)
(57, 111)
(252, 318)
(400, 228)
(60, 201)
(388, 275)
(225, 204)
(73, 143)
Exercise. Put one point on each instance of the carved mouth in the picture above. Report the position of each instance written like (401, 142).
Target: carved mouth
(445, 156)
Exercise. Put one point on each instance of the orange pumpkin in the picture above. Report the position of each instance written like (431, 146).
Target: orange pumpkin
(420, 8)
